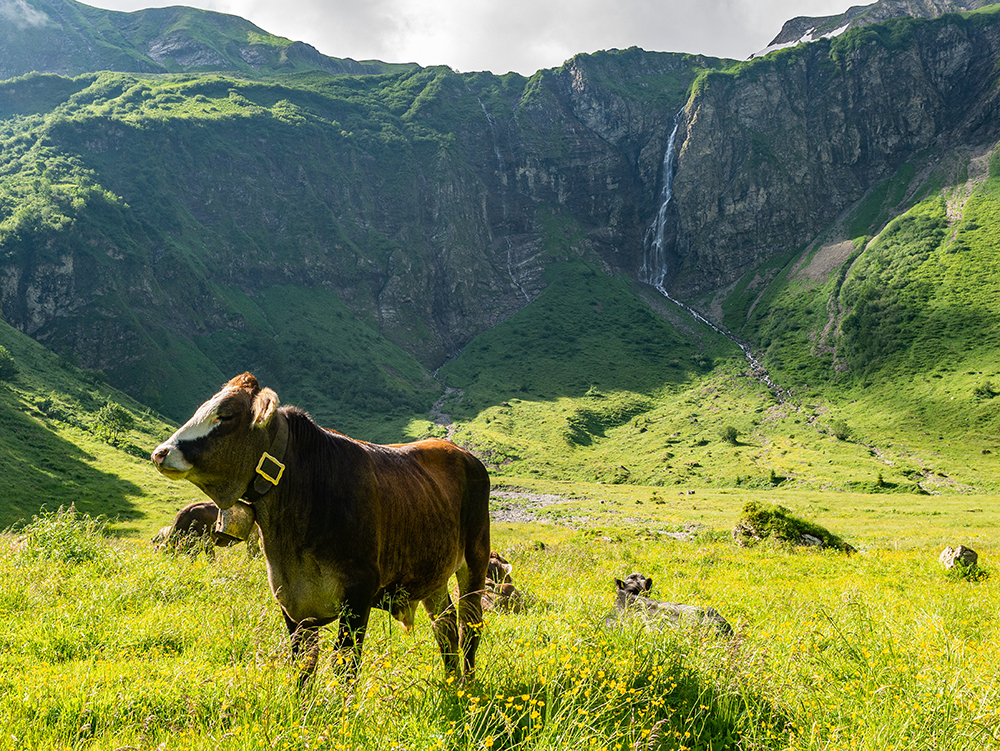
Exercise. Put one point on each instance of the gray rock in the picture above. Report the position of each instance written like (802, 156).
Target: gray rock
(958, 556)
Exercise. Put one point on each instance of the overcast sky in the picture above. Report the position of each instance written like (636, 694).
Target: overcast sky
(518, 35)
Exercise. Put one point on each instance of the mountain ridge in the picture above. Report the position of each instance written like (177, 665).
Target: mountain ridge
(810, 29)
(69, 38)
(363, 241)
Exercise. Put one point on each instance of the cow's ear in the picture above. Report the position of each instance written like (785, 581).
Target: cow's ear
(264, 404)
(649, 584)
(619, 584)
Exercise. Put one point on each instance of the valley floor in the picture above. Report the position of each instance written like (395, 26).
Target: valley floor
(108, 644)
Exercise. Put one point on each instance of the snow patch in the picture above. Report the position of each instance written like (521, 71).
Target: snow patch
(809, 36)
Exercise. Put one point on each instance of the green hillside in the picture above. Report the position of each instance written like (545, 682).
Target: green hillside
(58, 447)
(243, 207)
(388, 247)
(70, 38)
(900, 332)
(294, 332)
(886, 333)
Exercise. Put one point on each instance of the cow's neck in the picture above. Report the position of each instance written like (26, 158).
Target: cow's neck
(270, 467)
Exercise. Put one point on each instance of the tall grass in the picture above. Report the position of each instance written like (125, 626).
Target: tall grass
(137, 649)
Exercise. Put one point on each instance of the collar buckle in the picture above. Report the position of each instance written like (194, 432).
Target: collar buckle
(270, 468)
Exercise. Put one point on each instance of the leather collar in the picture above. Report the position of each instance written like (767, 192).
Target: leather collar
(270, 468)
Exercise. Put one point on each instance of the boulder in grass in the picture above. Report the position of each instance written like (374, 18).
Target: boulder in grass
(958, 557)
(760, 522)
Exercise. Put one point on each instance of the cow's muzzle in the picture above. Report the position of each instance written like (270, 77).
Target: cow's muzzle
(169, 461)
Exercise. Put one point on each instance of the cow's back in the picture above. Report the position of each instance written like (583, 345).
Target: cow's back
(434, 503)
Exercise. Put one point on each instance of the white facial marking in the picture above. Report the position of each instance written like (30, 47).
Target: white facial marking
(200, 425)
(202, 422)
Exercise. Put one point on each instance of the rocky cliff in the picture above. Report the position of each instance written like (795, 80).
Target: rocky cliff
(145, 220)
(168, 229)
(774, 150)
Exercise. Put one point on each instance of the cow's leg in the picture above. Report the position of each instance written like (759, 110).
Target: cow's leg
(356, 609)
(471, 584)
(445, 626)
(305, 640)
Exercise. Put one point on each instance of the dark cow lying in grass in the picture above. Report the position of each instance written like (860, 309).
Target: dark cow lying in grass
(194, 529)
(345, 525)
(500, 593)
(631, 599)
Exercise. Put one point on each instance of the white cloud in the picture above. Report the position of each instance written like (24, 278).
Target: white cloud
(520, 35)
(21, 15)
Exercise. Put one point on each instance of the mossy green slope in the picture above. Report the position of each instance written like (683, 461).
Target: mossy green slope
(152, 214)
(71, 38)
(53, 209)
(51, 454)
(899, 333)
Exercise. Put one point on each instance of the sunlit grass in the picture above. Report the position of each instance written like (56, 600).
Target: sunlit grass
(133, 648)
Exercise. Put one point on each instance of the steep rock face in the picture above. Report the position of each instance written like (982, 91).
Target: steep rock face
(807, 28)
(429, 202)
(775, 151)
(589, 138)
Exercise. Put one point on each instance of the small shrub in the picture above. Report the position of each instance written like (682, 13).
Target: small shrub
(771, 480)
(984, 391)
(8, 367)
(729, 435)
(65, 535)
(51, 408)
(112, 424)
(840, 430)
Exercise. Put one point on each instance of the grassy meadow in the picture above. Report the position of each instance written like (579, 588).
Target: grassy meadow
(109, 644)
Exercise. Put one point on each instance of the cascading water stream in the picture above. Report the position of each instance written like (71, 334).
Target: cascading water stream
(654, 259)
(654, 266)
(503, 198)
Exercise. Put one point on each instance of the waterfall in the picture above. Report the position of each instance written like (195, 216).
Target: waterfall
(496, 150)
(503, 198)
(654, 266)
(510, 271)
(654, 260)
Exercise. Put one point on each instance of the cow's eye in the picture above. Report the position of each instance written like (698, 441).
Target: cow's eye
(224, 418)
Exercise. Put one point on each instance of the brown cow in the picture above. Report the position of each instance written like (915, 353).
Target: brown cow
(194, 529)
(345, 525)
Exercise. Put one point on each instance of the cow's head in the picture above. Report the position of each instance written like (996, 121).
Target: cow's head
(219, 447)
(634, 585)
(498, 569)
